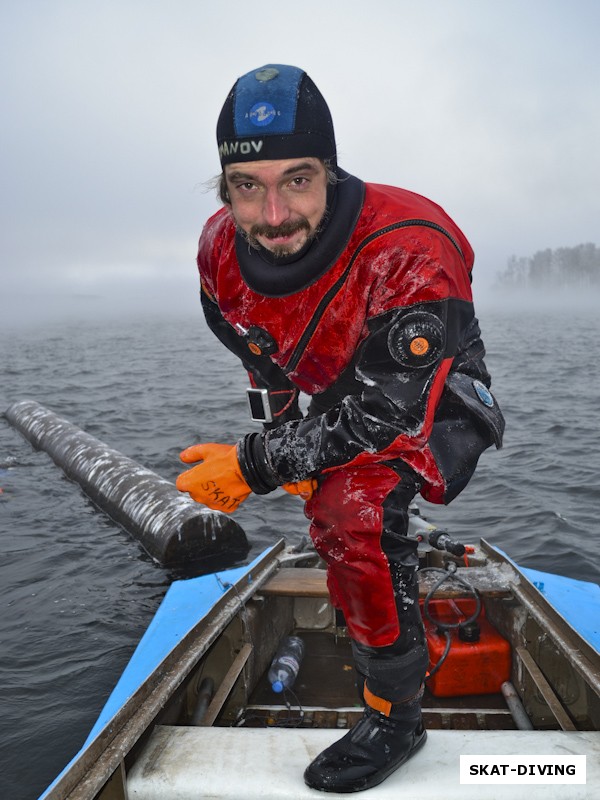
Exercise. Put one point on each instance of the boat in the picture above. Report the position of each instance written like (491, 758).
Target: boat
(194, 715)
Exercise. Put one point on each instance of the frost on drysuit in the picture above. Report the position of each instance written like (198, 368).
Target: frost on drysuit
(360, 424)
(402, 581)
(394, 403)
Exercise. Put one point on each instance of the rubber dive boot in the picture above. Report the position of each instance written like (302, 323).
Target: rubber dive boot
(375, 747)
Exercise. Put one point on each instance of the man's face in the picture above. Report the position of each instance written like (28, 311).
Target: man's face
(278, 204)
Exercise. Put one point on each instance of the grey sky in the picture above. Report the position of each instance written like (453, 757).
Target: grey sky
(109, 107)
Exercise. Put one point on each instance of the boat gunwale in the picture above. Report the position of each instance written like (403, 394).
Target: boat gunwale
(576, 649)
(89, 770)
(94, 765)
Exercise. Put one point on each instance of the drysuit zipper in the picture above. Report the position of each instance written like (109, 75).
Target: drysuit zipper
(331, 293)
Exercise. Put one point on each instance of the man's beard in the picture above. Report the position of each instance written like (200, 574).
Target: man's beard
(275, 231)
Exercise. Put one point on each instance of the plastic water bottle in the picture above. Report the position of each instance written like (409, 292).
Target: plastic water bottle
(286, 664)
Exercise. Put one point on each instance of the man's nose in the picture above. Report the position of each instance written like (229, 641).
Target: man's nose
(275, 209)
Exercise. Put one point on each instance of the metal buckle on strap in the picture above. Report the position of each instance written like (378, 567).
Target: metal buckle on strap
(259, 405)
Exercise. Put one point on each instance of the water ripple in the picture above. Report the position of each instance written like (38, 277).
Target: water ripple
(76, 591)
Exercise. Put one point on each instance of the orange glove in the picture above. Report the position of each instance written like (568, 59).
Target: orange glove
(217, 481)
(304, 489)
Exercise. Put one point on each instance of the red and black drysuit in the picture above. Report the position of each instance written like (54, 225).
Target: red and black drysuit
(374, 320)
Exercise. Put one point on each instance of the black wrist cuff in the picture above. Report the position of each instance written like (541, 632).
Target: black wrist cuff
(254, 465)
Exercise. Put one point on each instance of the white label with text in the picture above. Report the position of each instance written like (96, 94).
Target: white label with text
(500, 769)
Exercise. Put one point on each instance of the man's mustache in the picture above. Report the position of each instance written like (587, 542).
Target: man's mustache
(285, 229)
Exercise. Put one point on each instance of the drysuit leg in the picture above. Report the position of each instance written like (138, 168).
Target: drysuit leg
(359, 523)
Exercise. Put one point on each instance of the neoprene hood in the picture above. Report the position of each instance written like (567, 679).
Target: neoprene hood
(275, 112)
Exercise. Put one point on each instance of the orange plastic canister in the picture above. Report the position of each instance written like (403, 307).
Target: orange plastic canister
(477, 667)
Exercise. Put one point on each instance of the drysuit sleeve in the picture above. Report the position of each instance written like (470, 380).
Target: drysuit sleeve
(402, 364)
(263, 373)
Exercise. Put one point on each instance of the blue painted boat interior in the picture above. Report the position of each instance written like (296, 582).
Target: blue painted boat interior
(578, 602)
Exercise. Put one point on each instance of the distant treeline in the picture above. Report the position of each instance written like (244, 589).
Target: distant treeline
(566, 267)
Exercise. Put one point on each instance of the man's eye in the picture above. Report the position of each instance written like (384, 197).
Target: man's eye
(299, 181)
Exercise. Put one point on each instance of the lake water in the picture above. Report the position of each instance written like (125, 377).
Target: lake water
(77, 592)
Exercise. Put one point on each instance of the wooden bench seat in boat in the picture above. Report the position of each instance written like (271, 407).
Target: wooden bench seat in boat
(311, 582)
(188, 763)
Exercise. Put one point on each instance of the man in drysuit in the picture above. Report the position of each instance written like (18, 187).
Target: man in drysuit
(358, 295)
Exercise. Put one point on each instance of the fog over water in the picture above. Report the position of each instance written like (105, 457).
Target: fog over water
(109, 111)
(77, 592)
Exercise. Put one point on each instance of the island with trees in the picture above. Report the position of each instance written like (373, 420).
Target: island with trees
(564, 269)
